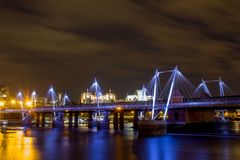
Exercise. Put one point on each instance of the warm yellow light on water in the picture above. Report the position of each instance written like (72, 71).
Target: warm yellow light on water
(17, 146)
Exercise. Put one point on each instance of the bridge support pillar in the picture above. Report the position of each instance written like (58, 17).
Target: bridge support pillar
(43, 119)
(121, 120)
(70, 119)
(58, 120)
(103, 124)
(115, 120)
(37, 119)
(75, 119)
(135, 119)
(90, 120)
(53, 120)
(26, 119)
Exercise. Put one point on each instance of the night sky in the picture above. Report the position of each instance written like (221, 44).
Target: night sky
(66, 43)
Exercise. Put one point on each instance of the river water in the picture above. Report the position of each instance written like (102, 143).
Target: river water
(17, 143)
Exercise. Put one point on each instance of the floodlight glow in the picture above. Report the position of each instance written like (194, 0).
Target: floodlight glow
(34, 93)
(65, 100)
(20, 98)
(179, 73)
(19, 95)
(51, 90)
(96, 88)
(20, 102)
(29, 103)
(2, 103)
(13, 101)
(53, 99)
(119, 108)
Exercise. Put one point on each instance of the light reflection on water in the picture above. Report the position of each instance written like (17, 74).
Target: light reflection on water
(81, 143)
(16, 145)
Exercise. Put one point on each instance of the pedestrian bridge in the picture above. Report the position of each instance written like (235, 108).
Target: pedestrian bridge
(212, 103)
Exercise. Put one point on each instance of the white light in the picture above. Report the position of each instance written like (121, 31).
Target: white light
(51, 90)
(1, 103)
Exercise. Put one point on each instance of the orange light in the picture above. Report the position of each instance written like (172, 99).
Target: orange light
(29, 103)
(119, 108)
(2, 103)
(13, 101)
(20, 102)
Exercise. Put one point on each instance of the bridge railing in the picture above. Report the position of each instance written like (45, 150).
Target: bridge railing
(188, 102)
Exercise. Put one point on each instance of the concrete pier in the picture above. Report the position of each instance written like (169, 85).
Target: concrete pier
(70, 119)
(152, 128)
(90, 120)
(103, 124)
(75, 119)
(135, 119)
(43, 119)
(121, 120)
(37, 119)
(27, 119)
(54, 120)
(115, 120)
(58, 120)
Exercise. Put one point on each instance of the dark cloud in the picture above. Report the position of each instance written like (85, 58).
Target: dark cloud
(68, 43)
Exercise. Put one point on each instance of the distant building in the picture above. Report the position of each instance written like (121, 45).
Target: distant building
(41, 101)
(6, 93)
(140, 95)
(90, 98)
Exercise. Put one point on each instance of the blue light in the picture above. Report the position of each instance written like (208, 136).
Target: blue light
(179, 73)
(34, 93)
(65, 100)
(96, 88)
(20, 95)
(170, 92)
(51, 90)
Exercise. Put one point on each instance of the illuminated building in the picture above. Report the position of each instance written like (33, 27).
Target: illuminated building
(42, 101)
(140, 95)
(86, 97)
(90, 98)
(5, 93)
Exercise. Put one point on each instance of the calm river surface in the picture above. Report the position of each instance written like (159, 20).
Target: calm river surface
(17, 143)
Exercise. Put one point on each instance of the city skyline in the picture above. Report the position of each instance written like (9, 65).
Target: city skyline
(217, 88)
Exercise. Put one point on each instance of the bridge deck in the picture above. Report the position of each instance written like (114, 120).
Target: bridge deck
(210, 105)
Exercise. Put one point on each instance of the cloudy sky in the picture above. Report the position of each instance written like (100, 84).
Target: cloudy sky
(66, 43)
